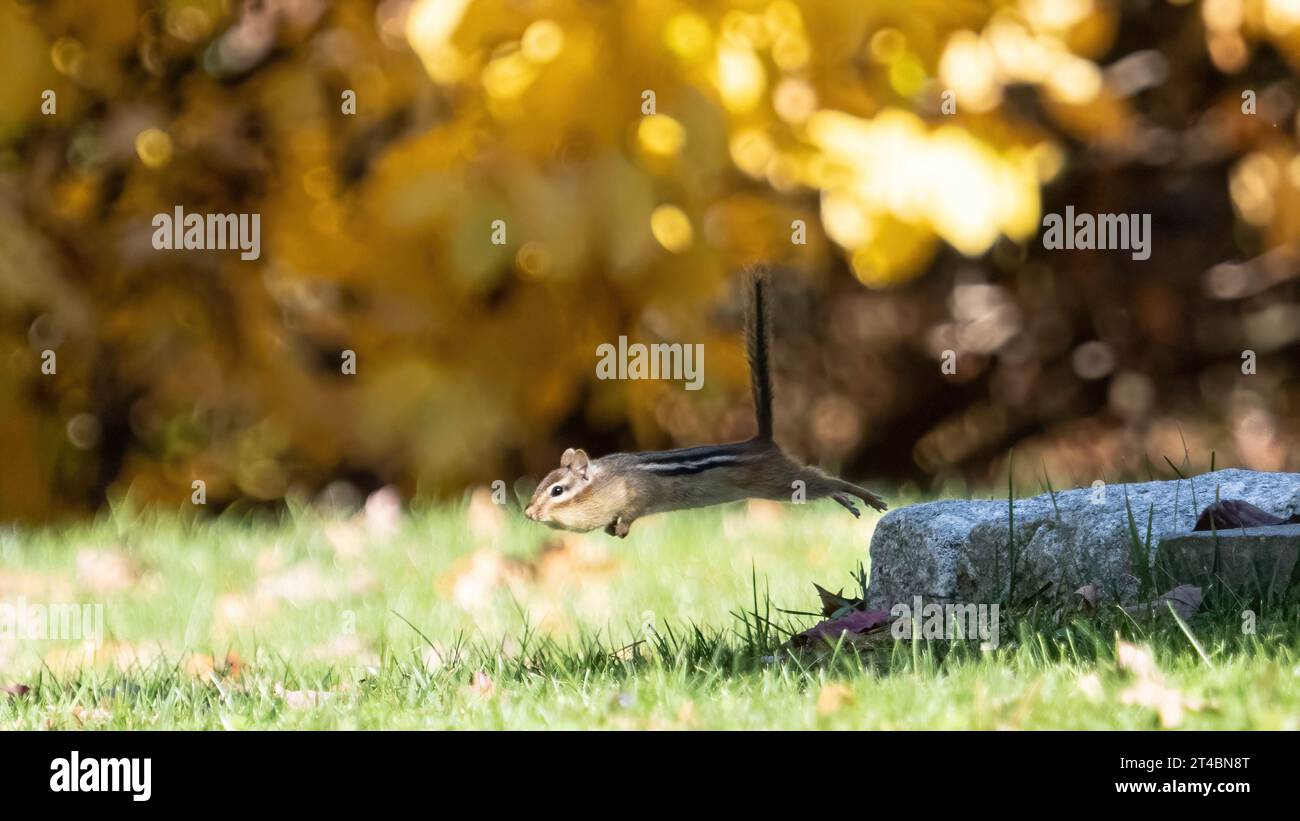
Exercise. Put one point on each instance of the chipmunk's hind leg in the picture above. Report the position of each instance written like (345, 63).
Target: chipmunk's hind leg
(847, 501)
(821, 486)
(863, 494)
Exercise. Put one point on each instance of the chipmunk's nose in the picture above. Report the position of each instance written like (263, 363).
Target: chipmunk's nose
(531, 512)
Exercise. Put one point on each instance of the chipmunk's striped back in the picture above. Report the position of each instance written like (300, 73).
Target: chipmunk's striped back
(687, 461)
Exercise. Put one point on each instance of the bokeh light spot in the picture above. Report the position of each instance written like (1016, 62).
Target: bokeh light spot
(154, 147)
(671, 228)
(661, 135)
(542, 41)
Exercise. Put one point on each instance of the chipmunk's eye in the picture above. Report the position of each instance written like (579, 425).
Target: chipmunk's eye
(557, 490)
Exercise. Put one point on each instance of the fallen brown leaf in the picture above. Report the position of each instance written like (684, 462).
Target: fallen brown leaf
(1149, 689)
(1136, 660)
(33, 584)
(199, 666)
(1086, 596)
(94, 714)
(105, 570)
(1090, 686)
(347, 538)
(834, 697)
(1184, 600)
(1170, 705)
(234, 666)
(203, 667)
(834, 604)
(851, 627)
(563, 564)
(383, 512)
(122, 656)
(303, 699)
(301, 583)
(481, 685)
(350, 650)
(1235, 513)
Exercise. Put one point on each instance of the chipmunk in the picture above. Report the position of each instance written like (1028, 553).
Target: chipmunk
(614, 491)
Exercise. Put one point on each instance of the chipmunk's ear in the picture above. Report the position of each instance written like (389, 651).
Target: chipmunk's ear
(575, 460)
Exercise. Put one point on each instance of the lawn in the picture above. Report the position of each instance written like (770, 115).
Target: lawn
(467, 616)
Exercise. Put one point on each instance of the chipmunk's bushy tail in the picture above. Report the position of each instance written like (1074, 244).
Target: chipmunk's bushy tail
(758, 341)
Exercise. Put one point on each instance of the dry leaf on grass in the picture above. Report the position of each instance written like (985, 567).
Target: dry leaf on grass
(346, 538)
(301, 583)
(58, 717)
(379, 519)
(362, 582)
(1149, 689)
(1184, 600)
(835, 605)
(1230, 514)
(383, 512)
(121, 656)
(34, 584)
(1135, 660)
(199, 666)
(303, 699)
(350, 650)
(234, 610)
(474, 579)
(1169, 704)
(1086, 597)
(1090, 686)
(834, 697)
(481, 685)
(564, 563)
(106, 570)
(853, 628)
(234, 666)
(202, 667)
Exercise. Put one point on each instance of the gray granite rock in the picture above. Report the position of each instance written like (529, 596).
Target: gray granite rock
(1251, 562)
(957, 550)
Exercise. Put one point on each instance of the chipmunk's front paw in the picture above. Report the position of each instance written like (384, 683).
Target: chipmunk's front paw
(619, 527)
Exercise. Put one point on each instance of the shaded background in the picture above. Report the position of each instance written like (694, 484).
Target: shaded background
(476, 362)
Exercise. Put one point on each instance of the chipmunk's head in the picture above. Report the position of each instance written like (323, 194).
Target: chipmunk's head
(565, 499)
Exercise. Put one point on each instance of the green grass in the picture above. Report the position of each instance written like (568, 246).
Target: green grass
(335, 624)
